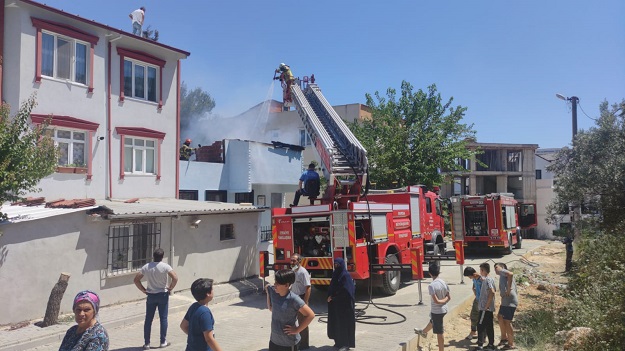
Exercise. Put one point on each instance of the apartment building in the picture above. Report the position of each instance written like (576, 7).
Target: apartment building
(112, 99)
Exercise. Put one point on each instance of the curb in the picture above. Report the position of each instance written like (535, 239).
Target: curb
(57, 337)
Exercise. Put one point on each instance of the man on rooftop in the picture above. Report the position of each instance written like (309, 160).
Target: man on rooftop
(137, 16)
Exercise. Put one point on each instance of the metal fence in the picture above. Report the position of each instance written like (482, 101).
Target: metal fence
(265, 233)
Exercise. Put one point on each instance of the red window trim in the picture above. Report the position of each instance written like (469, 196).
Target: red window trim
(147, 58)
(141, 133)
(66, 30)
(74, 123)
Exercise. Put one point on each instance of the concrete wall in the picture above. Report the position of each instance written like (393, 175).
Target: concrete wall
(32, 258)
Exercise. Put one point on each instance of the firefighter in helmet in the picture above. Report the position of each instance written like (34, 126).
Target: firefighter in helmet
(186, 150)
(287, 79)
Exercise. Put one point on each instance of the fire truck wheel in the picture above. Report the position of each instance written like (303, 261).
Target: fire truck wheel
(391, 279)
(519, 241)
(509, 248)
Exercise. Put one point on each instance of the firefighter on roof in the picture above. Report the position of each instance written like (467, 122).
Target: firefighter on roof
(186, 150)
(287, 79)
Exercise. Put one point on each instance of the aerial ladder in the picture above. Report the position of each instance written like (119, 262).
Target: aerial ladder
(343, 157)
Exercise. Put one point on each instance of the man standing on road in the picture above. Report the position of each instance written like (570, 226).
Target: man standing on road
(137, 16)
(301, 288)
(158, 291)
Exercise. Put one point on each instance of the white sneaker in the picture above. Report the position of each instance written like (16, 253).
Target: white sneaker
(420, 332)
(165, 344)
(146, 346)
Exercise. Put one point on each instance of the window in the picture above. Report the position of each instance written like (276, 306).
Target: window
(74, 136)
(244, 197)
(509, 218)
(141, 76)
(139, 152)
(515, 161)
(63, 58)
(130, 246)
(428, 205)
(72, 146)
(216, 195)
(139, 155)
(139, 80)
(64, 52)
(226, 232)
(261, 201)
(188, 195)
(539, 174)
(304, 138)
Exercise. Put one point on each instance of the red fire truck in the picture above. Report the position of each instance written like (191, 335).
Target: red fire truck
(491, 221)
(384, 237)
(379, 231)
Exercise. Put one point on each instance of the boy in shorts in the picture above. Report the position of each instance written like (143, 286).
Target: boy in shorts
(509, 302)
(439, 291)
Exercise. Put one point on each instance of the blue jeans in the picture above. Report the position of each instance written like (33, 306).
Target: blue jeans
(136, 28)
(160, 300)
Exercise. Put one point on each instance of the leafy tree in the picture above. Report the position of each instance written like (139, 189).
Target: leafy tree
(410, 139)
(193, 103)
(150, 33)
(26, 154)
(593, 170)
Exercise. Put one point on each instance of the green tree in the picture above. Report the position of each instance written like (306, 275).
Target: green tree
(593, 170)
(193, 103)
(408, 140)
(26, 154)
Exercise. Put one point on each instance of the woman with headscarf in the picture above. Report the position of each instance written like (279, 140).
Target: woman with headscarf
(341, 309)
(88, 334)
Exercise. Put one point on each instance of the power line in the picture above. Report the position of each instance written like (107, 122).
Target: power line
(580, 107)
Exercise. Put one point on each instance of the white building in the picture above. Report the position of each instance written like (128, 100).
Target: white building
(544, 193)
(113, 99)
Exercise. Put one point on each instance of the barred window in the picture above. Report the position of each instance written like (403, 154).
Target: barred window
(130, 246)
(226, 232)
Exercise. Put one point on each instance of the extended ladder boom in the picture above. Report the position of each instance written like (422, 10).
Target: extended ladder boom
(340, 151)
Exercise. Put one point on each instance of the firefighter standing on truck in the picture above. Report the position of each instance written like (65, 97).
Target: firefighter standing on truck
(186, 150)
(287, 79)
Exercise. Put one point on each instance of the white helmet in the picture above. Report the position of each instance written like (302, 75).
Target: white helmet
(282, 65)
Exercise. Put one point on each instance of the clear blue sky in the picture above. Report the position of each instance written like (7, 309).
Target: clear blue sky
(503, 60)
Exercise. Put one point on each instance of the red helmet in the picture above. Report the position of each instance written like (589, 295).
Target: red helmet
(188, 141)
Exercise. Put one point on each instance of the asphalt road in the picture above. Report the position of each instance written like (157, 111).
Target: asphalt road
(244, 324)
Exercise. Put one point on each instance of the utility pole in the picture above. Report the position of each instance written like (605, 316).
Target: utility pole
(575, 211)
(574, 100)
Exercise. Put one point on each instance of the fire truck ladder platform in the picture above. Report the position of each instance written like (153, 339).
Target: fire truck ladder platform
(341, 153)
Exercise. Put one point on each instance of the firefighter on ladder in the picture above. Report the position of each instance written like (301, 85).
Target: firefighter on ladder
(287, 79)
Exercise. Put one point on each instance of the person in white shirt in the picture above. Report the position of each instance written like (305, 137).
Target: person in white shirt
(157, 274)
(137, 16)
(301, 288)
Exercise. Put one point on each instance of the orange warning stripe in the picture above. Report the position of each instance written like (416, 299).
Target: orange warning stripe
(320, 281)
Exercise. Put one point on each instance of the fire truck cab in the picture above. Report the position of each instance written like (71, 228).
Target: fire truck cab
(487, 221)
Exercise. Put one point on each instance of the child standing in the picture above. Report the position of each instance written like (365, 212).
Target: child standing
(470, 272)
(284, 306)
(439, 291)
(199, 323)
(509, 302)
(486, 307)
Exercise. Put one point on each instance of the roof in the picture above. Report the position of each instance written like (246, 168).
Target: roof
(18, 213)
(94, 23)
(158, 207)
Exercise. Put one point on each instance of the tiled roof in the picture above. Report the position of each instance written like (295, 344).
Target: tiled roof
(158, 207)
